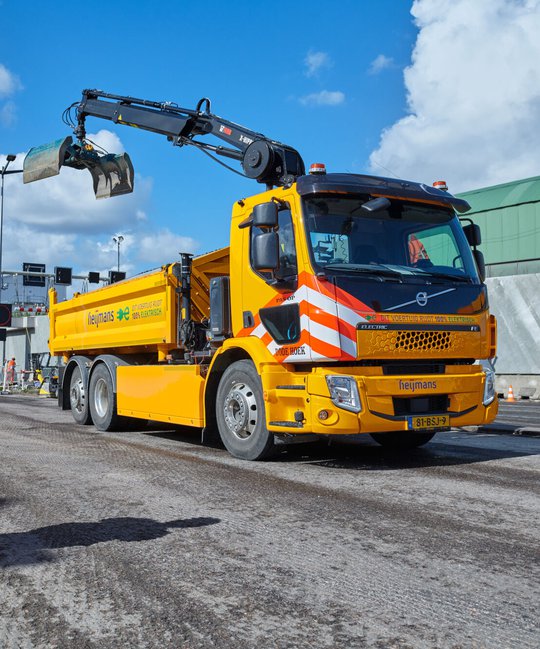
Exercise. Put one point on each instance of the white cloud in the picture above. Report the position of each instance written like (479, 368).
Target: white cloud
(8, 113)
(473, 92)
(164, 247)
(105, 249)
(315, 61)
(9, 83)
(323, 98)
(107, 140)
(24, 244)
(59, 222)
(380, 63)
(66, 203)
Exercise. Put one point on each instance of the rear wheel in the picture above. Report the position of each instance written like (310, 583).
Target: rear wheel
(402, 440)
(240, 413)
(78, 398)
(103, 400)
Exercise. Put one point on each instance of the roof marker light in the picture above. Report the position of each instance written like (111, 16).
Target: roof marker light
(441, 184)
(317, 168)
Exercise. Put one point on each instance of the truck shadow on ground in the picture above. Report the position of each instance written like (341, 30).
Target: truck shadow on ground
(34, 546)
(365, 455)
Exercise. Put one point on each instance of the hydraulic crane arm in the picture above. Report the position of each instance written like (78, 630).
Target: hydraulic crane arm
(262, 159)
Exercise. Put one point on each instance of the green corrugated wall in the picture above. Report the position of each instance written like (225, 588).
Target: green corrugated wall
(509, 217)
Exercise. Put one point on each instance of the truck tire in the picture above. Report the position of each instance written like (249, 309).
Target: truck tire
(240, 413)
(103, 400)
(402, 440)
(78, 398)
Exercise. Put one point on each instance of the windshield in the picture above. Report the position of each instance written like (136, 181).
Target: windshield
(404, 240)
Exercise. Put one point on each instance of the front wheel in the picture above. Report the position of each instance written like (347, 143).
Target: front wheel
(402, 440)
(240, 413)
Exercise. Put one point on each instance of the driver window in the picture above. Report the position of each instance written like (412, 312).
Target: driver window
(433, 247)
(287, 248)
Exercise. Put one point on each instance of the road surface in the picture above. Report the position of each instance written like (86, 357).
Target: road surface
(147, 539)
(521, 416)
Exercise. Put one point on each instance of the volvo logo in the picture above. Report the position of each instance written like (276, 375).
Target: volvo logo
(421, 299)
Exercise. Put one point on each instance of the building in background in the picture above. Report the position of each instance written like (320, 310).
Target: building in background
(29, 332)
(26, 339)
(509, 217)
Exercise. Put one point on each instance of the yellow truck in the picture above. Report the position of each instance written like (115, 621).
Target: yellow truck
(344, 304)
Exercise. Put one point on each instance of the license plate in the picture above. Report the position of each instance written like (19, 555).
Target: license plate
(429, 421)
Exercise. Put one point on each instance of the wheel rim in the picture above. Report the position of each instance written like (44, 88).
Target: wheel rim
(77, 396)
(240, 411)
(101, 397)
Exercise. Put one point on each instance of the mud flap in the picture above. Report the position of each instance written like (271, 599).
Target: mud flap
(45, 161)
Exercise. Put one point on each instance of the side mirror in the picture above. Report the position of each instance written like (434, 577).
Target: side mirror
(473, 234)
(265, 215)
(480, 264)
(265, 251)
(376, 204)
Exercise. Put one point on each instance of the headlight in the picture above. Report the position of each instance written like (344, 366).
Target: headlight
(344, 392)
(489, 386)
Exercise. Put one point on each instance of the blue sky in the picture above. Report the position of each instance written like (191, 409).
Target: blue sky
(388, 86)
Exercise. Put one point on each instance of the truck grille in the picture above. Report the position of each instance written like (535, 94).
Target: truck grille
(422, 340)
(419, 343)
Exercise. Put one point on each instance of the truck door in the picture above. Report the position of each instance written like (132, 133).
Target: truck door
(289, 310)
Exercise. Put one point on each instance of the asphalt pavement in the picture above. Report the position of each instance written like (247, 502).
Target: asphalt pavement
(148, 539)
(520, 417)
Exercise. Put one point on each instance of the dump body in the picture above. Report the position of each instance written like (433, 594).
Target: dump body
(138, 315)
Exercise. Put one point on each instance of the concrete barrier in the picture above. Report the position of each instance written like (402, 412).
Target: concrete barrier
(515, 301)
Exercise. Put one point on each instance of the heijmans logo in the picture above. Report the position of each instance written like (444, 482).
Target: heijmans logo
(123, 314)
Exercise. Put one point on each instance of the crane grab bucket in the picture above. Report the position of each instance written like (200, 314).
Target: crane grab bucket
(45, 161)
(112, 174)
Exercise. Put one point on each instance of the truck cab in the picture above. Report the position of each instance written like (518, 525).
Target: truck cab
(362, 306)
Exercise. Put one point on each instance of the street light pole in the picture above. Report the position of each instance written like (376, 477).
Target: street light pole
(10, 158)
(118, 240)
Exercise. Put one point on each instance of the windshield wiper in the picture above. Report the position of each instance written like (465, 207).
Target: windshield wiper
(374, 270)
(455, 278)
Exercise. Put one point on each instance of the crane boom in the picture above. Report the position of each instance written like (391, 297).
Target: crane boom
(261, 158)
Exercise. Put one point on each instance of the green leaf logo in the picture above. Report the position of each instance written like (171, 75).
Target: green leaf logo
(123, 314)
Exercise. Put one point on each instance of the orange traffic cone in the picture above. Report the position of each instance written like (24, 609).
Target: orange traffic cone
(510, 396)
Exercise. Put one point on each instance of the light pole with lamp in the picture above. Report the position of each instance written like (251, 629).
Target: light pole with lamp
(3, 172)
(118, 240)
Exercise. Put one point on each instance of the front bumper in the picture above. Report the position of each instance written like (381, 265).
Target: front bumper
(385, 402)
